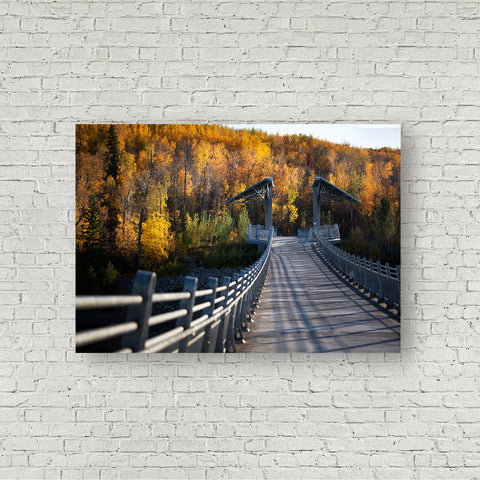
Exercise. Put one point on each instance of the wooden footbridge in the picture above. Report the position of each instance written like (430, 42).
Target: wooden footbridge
(307, 306)
(302, 295)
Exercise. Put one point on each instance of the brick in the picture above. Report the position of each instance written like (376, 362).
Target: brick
(296, 416)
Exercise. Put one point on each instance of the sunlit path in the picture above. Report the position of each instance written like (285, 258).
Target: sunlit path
(306, 307)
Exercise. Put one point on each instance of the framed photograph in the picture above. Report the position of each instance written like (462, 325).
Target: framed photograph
(227, 238)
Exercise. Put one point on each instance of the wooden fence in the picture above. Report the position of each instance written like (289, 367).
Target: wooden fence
(209, 320)
(382, 281)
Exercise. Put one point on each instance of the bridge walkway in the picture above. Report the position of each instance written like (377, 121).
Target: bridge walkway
(307, 307)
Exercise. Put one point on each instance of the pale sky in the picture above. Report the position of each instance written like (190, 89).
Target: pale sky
(367, 135)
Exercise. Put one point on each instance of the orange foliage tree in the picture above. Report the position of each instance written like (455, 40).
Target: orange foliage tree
(165, 174)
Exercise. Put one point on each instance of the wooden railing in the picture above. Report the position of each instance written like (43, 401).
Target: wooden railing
(209, 320)
(259, 233)
(328, 232)
(382, 281)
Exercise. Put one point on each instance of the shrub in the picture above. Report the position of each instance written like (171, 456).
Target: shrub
(242, 224)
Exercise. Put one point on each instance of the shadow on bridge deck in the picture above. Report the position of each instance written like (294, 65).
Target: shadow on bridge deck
(307, 307)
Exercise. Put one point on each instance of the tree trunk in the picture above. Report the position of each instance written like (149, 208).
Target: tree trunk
(125, 203)
(140, 222)
(175, 181)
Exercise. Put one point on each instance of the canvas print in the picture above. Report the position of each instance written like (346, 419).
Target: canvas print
(229, 238)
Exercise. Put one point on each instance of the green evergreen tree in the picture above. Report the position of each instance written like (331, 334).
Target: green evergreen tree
(111, 191)
(112, 154)
(92, 257)
(93, 232)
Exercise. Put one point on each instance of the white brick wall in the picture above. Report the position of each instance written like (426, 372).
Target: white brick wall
(414, 415)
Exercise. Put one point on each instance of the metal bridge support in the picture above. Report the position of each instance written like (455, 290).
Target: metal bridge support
(261, 192)
(268, 206)
(316, 206)
(328, 194)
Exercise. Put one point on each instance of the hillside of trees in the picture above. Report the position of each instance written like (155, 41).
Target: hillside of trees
(150, 196)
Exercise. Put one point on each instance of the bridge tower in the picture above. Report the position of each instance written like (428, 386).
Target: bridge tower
(260, 192)
(324, 193)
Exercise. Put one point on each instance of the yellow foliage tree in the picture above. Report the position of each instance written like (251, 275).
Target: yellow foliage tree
(156, 240)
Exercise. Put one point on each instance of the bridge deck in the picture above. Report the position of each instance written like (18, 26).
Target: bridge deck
(307, 307)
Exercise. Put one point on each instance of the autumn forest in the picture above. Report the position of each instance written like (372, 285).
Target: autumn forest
(153, 196)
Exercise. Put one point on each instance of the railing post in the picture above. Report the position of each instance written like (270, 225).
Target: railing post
(237, 329)
(222, 332)
(229, 332)
(207, 339)
(144, 285)
(397, 297)
(256, 290)
(190, 286)
(249, 303)
(244, 302)
(364, 275)
(389, 287)
(230, 340)
(250, 296)
(379, 282)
